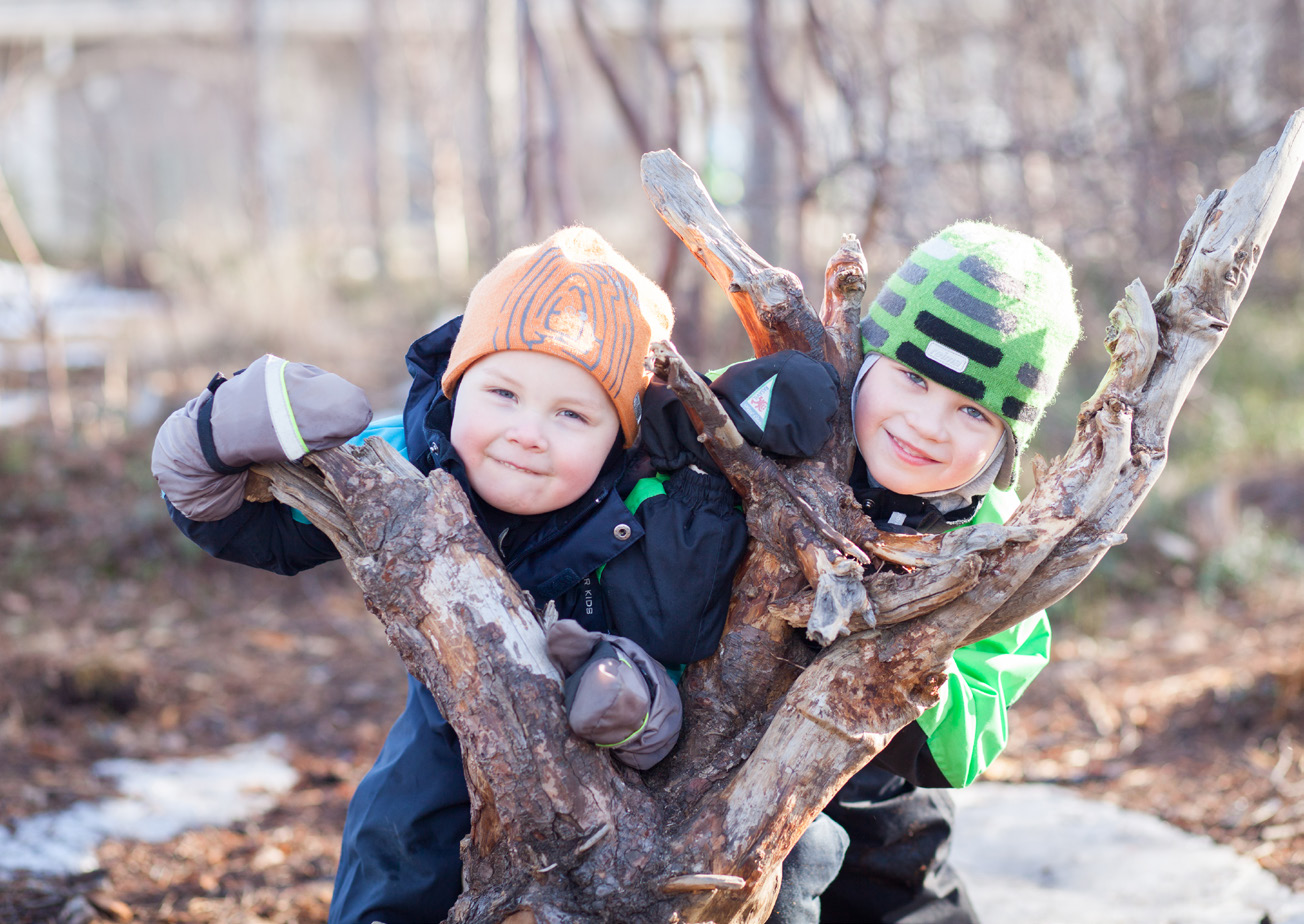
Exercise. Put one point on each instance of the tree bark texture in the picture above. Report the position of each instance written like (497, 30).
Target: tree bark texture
(772, 729)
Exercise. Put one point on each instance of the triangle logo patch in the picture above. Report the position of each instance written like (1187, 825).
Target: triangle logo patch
(757, 404)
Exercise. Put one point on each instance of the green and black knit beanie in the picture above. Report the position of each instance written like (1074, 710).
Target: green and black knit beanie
(987, 312)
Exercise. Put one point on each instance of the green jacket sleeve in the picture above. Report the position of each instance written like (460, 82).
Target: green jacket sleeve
(967, 728)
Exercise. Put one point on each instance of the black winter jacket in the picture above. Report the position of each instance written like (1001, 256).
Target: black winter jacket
(610, 569)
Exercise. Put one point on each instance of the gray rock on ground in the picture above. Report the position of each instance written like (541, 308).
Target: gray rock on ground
(1034, 852)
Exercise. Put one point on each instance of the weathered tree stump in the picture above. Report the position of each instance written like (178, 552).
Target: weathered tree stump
(563, 834)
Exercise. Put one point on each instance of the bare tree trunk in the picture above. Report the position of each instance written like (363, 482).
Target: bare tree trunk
(549, 197)
(484, 148)
(560, 833)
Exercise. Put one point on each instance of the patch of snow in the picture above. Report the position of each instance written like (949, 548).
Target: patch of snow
(160, 799)
(77, 306)
(1034, 852)
(19, 407)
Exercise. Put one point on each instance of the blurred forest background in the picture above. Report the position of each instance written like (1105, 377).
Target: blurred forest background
(324, 179)
(190, 183)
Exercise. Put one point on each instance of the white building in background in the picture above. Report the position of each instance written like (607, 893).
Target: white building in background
(96, 328)
(143, 136)
(429, 136)
(375, 121)
(117, 116)
(423, 130)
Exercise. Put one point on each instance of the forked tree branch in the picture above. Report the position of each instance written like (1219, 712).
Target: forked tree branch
(1080, 502)
(772, 728)
(769, 301)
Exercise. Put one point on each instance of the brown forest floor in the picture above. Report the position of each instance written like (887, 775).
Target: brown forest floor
(118, 639)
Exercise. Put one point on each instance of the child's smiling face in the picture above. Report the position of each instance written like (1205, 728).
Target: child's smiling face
(532, 429)
(917, 436)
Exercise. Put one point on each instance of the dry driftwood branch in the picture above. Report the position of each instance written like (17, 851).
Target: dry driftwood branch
(769, 301)
(772, 729)
(1080, 502)
(433, 579)
(1218, 252)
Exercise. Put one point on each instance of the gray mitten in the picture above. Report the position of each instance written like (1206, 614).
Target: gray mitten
(273, 411)
(617, 695)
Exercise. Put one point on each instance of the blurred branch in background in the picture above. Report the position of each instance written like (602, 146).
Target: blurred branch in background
(56, 369)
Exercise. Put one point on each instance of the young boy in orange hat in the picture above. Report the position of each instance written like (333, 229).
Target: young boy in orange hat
(532, 401)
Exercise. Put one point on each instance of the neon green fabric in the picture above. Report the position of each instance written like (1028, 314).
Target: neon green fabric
(967, 728)
(645, 488)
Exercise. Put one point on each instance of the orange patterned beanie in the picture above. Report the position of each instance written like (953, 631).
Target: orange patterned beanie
(575, 297)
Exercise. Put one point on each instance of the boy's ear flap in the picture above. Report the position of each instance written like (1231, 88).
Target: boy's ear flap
(1009, 461)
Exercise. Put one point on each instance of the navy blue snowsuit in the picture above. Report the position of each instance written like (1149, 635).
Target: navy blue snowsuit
(399, 858)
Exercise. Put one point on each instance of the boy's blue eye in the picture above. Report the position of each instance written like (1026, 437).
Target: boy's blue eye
(575, 415)
(976, 414)
(915, 378)
(502, 392)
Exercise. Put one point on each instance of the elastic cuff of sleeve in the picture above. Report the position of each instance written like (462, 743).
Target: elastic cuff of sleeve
(683, 459)
(281, 410)
(698, 488)
(631, 736)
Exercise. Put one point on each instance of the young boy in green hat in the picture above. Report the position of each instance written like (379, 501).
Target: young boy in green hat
(964, 349)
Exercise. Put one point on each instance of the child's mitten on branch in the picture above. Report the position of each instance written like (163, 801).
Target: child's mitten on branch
(617, 696)
(783, 403)
(273, 411)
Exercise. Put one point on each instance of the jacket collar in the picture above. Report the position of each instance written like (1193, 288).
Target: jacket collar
(904, 513)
